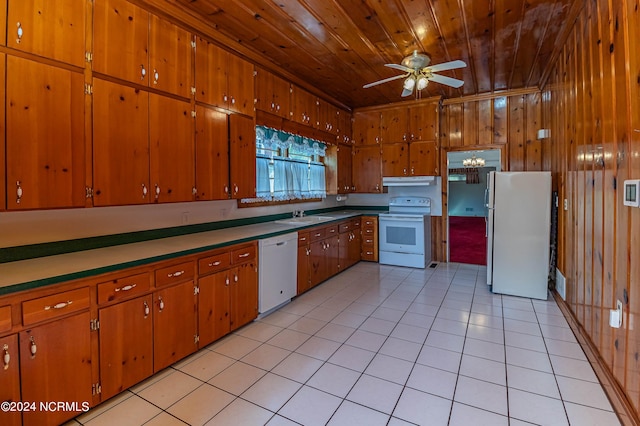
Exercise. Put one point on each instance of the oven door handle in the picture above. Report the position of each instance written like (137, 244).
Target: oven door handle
(402, 218)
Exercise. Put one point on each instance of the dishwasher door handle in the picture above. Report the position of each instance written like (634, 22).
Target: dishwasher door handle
(281, 243)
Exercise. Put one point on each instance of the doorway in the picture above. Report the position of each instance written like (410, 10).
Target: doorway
(466, 205)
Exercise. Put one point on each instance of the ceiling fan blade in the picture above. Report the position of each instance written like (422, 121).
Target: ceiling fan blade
(406, 92)
(375, 83)
(446, 66)
(399, 67)
(453, 82)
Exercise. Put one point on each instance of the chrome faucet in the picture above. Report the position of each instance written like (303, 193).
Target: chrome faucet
(298, 213)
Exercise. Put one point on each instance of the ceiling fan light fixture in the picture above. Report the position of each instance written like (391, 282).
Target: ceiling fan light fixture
(409, 83)
(422, 82)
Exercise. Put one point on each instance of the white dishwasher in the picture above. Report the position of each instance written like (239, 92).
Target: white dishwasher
(277, 276)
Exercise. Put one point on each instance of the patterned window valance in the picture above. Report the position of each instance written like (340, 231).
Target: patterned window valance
(268, 138)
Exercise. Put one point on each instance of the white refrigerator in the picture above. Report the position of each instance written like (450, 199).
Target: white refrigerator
(518, 224)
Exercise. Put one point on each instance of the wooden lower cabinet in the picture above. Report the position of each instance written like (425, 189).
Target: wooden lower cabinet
(244, 295)
(349, 244)
(213, 308)
(175, 318)
(55, 365)
(369, 232)
(10, 379)
(126, 345)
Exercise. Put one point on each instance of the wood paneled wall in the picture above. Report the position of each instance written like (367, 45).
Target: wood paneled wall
(508, 122)
(591, 104)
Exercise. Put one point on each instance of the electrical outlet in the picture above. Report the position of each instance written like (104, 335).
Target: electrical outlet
(566, 204)
(615, 315)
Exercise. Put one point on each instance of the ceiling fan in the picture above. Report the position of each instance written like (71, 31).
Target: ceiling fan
(418, 73)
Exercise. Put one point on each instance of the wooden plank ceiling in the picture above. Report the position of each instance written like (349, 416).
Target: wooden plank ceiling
(337, 46)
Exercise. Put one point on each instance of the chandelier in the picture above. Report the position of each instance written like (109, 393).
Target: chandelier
(473, 162)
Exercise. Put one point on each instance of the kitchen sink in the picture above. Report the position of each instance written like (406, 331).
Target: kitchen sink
(304, 220)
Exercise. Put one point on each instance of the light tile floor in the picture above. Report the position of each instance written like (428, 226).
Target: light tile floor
(381, 345)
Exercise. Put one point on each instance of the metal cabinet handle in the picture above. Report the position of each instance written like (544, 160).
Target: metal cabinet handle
(155, 76)
(32, 347)
(157, 191)
(126, 287)
(144, 190)
(18, 192)
(235, 278)
(175, 274)
(143, 72)
(146, 309)
(19, 33)
(59, 305)
(6, 357)
(308, 251)
(226, 281)
(160, 303)
(212, 264)
(244, 255)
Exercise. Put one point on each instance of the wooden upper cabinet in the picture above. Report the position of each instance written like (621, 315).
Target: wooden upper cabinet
(3, 174)
(366, 127)
(272, 93)
(344, 127)
(423, 158)
(223, 79)
(120, 144)
(423, 122)
(170, 58)
(395, 159)
(212, 154)
(3, 22)
(53, 29)
(121, 40)
(328, 117)
(242, 154)
(345, 159)
(367, 173)
(45, 136)
(133, 45)
(171, 149)
(304, 107)
(394, 124)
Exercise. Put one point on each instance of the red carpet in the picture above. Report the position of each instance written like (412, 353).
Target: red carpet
(467, 243)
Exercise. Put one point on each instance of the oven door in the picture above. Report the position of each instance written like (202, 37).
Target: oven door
(402, 233)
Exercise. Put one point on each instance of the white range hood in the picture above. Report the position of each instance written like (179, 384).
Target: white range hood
(408, 181)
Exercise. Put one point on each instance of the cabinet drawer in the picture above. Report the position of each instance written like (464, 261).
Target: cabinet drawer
(369, 222)
(368, 239)
(243, 254)
(5, 318)
(303, 238)
(214, 263)
(174, 274)
(56, 305)
(331, 230)
(123, 288)
(368, 254)
(345, 227)
(355, 223)
(368, 231)
(317, 234)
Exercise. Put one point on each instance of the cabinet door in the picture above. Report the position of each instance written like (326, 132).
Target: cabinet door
(55, 365)
(51, 28)
(126, 345)
(242, 152)
(394, 123)
(366, 169)
(317, 262)
(355, 242)
(172, 150)
(366, 127)
(343, 250)
(212, 154)
(10, 379)
(345, 127)
(174, 324)
(120, 144)
(424, 158)
(211, 73)
(240, 85)
(303, 268)
(170, 56)
(303, 107)
(121, 40)
(244, 294)
(395, 159)
(3, 174)
(272, 93)
(345, 157)
(423, 122)
(45, 136)
(213, 307)
(281, 96)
